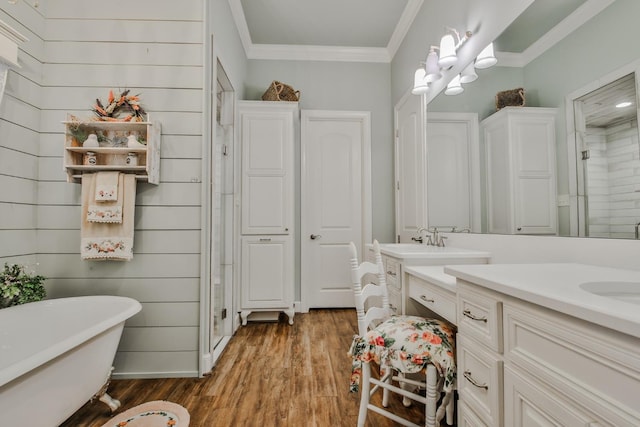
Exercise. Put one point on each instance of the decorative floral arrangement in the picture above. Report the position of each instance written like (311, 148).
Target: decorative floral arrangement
(129, 104)
(18, 287)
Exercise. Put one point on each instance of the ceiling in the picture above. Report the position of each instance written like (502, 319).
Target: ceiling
(599, 107)
(372, 30)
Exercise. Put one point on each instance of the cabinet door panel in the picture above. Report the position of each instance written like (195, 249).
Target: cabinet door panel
(528, 403)
(267, 279)
(267, 172)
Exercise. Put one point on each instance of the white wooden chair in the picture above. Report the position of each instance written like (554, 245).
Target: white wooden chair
(400, 345)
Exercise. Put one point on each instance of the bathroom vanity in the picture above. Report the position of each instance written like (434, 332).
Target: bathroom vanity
(547, 344)
(398, 256)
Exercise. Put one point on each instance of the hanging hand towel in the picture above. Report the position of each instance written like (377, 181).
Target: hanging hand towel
(106, 186)
(108, 241)
(108, 194)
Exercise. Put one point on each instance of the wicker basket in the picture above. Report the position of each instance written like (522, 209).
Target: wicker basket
(279, 91)
(510, 98)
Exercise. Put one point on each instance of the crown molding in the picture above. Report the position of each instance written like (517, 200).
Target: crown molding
(324, 53)
(241, 24)
(404, 23)
(575, 20)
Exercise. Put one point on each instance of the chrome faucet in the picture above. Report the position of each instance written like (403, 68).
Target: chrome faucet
(638, 231)
(420, 237)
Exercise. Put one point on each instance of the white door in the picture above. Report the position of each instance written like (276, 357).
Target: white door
(335, 203)
(453, 177)
(410, 160)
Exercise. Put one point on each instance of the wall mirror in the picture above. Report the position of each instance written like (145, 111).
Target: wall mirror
(559, 52)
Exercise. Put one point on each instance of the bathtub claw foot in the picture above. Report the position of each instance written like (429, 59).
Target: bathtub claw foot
(112, 403)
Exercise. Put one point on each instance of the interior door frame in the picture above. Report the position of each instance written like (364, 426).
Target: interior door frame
(576, 197)
(365, 118)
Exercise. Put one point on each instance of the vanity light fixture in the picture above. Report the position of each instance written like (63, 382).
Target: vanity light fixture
(431, 66)
(420, 84)
(468, 75)
(454, 87)
(486, 58)
(449, 44)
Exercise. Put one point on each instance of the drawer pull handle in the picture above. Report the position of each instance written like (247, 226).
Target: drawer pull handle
(391, 273)
(468, 314)
(467, 375)
(266, 239)
(425, 299)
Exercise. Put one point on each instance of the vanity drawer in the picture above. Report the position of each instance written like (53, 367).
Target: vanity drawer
(433, 297)
(480, 380)
(468, 418)
(479, 315)
(392, 269)
(584, 361)
(395, 301)
(529, 403)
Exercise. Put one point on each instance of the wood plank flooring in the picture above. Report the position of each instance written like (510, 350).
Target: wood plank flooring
(270, 374)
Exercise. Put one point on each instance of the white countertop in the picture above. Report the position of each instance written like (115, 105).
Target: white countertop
(417, 250)
(557, 286)
(434, 274)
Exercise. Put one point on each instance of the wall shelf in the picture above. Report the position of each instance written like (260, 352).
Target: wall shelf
(113, 158)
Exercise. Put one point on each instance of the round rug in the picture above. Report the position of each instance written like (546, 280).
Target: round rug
(158, 413)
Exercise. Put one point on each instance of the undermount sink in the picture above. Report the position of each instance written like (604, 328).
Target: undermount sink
(621, 291)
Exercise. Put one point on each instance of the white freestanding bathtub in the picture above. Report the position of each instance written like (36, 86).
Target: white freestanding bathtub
(55, 355)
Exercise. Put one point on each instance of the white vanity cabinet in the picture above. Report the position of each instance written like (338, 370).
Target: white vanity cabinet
(520, 170)
(266, 138)
(430, 288)
(397, 257)
(525, 358)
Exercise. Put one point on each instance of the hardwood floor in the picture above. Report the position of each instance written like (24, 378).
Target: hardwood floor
(270, 374)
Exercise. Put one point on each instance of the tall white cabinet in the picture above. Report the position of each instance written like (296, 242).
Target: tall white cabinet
(520, 165)
(266, 137)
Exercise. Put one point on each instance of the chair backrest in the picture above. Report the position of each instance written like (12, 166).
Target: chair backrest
(371, 300)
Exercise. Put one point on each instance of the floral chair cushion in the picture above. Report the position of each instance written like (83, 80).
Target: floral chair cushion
(407, 344)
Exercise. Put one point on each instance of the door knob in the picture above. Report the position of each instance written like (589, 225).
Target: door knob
(315, 236)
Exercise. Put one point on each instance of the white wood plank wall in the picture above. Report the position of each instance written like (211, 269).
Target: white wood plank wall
(614, 199)
(78, 51)
(19, 139)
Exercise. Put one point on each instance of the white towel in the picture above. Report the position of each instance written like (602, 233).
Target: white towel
(106, 186)
(108, 241)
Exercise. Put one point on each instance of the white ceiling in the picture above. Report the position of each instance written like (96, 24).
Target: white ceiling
(372, 30)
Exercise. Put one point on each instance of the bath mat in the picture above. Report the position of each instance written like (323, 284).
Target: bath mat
(158, 413)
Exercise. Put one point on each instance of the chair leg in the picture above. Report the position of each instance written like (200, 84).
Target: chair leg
(431, 396)
(405, 400)
(365, 389)
(385, 391)
(451, 409)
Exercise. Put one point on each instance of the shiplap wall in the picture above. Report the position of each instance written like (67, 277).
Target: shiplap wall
(89, 48)
(19, 139)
